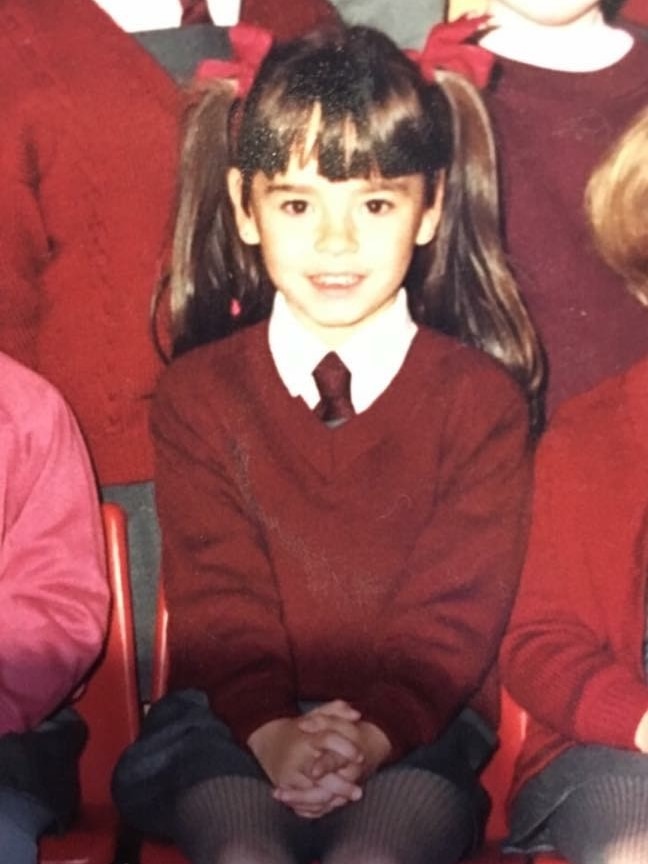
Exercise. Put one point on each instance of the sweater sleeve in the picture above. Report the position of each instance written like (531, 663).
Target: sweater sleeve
(226, 636)
(53, 590)
(456, 593)
(24, 244)
(557, 661)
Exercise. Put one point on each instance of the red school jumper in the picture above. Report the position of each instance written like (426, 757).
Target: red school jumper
(573, 653)
(375, 562)
(88, 155)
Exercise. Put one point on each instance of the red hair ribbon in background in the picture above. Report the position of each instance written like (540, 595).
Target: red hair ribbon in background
(249, 46)
(447, 48)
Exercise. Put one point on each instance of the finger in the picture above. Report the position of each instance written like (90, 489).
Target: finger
(339, 787)
(296, 780)
(326, 763)
(321, 723)
(337, 743)
(351, 771)
(338, 708)
(313, 723)
(316, 813)
(317, 796)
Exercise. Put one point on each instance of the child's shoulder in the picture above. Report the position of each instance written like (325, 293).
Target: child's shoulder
(33, 414)
(604, 427)
(218, 365)
(25, 396)
(458, 365)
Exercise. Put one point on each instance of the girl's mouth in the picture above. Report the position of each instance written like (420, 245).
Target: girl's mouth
(333, 281)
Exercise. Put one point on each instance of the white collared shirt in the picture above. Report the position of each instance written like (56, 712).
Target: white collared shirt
(373, 354)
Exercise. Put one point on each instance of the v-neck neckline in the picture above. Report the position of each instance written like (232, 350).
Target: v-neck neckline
(332, 451)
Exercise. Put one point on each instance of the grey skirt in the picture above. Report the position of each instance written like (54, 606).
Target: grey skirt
(182, 744)
(543, 795)
(42, 764)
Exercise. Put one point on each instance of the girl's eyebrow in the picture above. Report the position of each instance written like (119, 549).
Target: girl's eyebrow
(380, 184)
(288, 187)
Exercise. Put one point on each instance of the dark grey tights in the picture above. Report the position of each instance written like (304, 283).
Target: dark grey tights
(406, 816)
(604, 821)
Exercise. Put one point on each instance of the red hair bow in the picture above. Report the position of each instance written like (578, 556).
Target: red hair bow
(446, 47)
(250, 45)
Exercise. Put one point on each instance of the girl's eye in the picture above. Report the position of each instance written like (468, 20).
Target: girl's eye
(378, 206)
(295, 207)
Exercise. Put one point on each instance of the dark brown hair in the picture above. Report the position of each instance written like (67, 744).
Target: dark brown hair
(460, 283)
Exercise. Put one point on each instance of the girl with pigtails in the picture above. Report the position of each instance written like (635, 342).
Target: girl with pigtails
(342, 465)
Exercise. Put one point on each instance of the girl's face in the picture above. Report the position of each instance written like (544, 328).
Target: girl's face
(337, 251)
(547, 12)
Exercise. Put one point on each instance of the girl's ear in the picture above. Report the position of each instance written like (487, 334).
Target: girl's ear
(431, 215)
(245, 221)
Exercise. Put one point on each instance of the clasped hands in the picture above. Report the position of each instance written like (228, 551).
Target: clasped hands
(318, 761)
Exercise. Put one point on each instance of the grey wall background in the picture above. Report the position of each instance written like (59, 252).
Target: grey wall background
(406, 21)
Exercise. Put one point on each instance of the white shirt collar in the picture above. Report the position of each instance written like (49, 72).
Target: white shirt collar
(373, 354)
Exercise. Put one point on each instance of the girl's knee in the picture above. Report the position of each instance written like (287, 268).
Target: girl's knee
(244, 852)
(626, 851)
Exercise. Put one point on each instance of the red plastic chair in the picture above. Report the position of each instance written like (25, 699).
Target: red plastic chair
(109, 705)
(497, 779)
(151, 852)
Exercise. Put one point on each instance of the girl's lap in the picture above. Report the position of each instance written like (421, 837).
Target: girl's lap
(183, 745)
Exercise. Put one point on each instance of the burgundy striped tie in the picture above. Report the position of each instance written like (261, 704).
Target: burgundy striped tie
(333, 381)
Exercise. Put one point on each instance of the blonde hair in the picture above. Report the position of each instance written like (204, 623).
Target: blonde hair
(617, 206)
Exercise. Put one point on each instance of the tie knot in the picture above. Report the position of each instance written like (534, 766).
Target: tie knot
(333, 381)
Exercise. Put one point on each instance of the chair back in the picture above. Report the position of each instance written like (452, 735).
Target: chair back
(160, 672)
(109, 703)
(498, 774)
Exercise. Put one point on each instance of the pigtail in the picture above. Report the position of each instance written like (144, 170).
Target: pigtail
(216, 283)
(469, 290)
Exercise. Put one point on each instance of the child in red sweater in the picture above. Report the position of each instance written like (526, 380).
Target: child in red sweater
(575, 654)
(341, 473)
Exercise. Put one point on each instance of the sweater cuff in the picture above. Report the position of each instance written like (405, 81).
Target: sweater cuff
(245, 711)
(611, 716)
(401, 716)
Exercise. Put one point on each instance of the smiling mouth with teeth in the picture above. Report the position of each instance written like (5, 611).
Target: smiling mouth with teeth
(342, 280)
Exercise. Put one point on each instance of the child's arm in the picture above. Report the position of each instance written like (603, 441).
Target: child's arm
(584, 574)
(53, 590)
(226, 634)
(447, 619)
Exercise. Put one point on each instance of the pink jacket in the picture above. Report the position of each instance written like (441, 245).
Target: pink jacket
(53, 590)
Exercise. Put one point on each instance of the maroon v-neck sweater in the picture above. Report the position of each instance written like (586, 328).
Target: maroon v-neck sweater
(375, 562)
(553, 128)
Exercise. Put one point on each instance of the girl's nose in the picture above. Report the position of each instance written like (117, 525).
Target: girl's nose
(336, 235)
